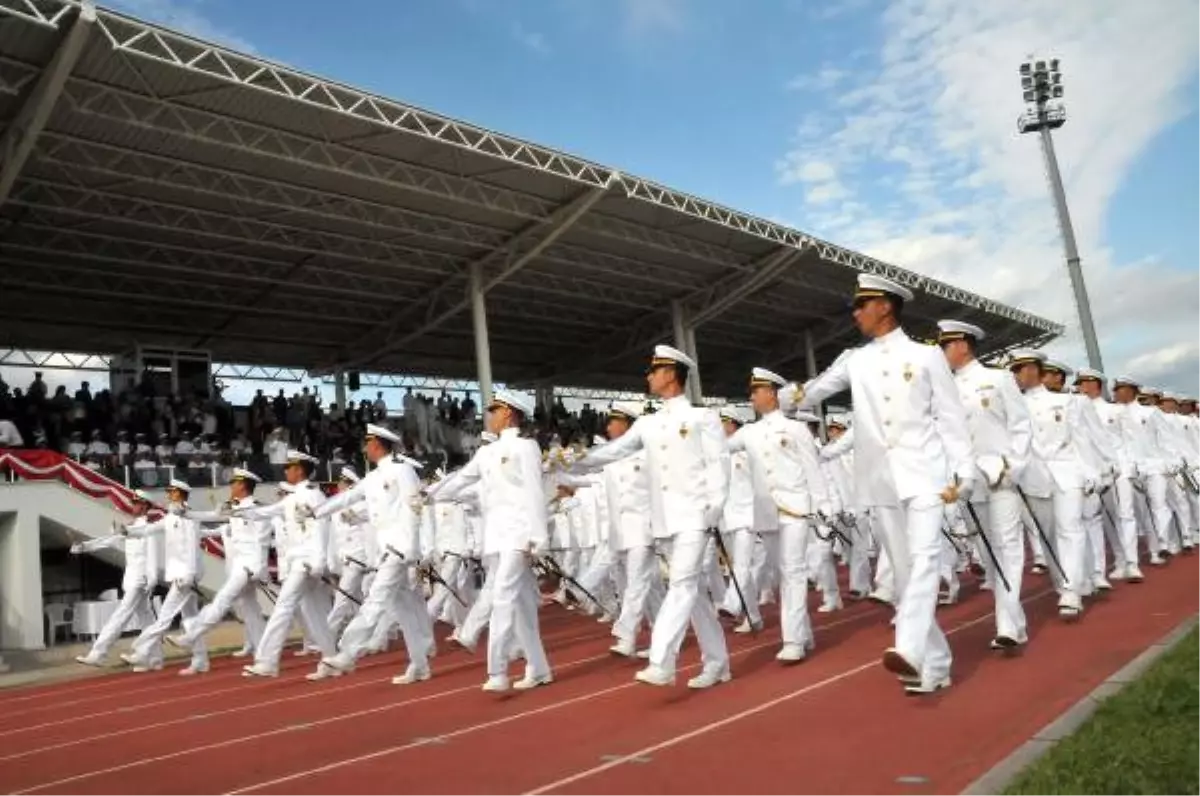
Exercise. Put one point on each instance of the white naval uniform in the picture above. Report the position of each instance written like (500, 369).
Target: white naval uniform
(737, 523)
(513, 506)
(687, 462)
(1189, 447)
(137, 582)
(184, 566)
(1119, 498)
(304, 554)
(910, 439)
(347, 529)
(1177, 456)
(453, 545)
(246, 547)
(789, 489)
(839, 461)
(627, 489)
(1001, 433)
(390, 492)
(1065, 428)
(1144, 430)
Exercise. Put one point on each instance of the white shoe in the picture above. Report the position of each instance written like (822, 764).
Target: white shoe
(791, 653)
(90, 660)
(1069, 613)
(624, 648)
(324, 672)
(498, 683)
(191, 670)
(1157, 560)
(923, 688)
(413, 674)
(744, 627)
(469, 646)
(254, 670)
(154, 666)
(644, 654)
(709, 679)
(1134, 574)
(244, 652)
(529, 681)
(338, 664)
(130, 659)
(179, 640)
(1101, 583)
(653, 675)
(605, 619)
(1118, 573)
(830, 606)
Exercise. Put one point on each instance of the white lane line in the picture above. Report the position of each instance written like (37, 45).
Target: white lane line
(754, 711)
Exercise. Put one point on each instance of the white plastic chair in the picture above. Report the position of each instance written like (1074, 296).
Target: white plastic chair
(59, 615)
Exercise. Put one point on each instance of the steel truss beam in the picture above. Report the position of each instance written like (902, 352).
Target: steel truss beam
(135, 39)
(451, 298)
(22, 132)
(54, 360)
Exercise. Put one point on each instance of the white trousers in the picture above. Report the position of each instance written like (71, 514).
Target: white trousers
(481, 610)
(238, 589)
(1181, 508)
(343, 610)
(135, 601)
(911, 534)
(1120, 502)
(181, 601)
(642, 596)
(597, 574)
(1000, 517)
(794, 621)
(394, 592)
(298, 591)
(453, 571)
(1156, 511)
(684, 604)
(741, 544)
(860, 554)
(515, 600)
(1061, 517)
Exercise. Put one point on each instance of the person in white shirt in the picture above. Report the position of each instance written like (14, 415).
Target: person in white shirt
(1001, 433)
(737, 524)
(789, 492)
(184, 567)
(247, 542)
(303, 548)
(138, 581)
(838, 457)
(10, 437)
(348, 555)
(687, 461)
(391, 494)
(1182, 458)
(912, 456)
(513, 505)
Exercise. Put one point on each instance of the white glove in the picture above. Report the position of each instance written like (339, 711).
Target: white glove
(993, 469)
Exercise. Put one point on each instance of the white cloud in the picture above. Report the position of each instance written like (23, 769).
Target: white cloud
(929, 172)
(530, 40)
(652, 17)
(824, 79)
(186, 16)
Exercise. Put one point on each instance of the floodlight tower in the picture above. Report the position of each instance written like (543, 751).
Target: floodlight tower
(1041, 86)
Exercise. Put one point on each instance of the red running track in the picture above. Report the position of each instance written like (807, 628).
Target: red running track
(836, 723)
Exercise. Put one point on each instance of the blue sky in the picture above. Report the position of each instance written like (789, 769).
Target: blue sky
(886, 125)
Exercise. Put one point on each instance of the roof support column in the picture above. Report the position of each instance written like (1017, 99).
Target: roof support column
(339, 389)
(685, 341)
(17, 143)
(483, 351)
(810, 367)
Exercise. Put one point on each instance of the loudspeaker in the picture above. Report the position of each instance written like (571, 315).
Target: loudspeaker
(353, 382)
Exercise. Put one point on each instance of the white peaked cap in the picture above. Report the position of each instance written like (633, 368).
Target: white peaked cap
(874, 286)
(806, 417)
(1024, 356)
(515, 400)
(955, 330)
(242, 474)
(348, 474)
(631, 409)
(1083, 374)
(383, 433)
(297, 457)
(666, 355)
(766, 377)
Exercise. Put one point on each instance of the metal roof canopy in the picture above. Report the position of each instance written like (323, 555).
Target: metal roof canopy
(160, 189)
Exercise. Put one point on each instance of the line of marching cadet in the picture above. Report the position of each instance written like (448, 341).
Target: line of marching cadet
(683, 513)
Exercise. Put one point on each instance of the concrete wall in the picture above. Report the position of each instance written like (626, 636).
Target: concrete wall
(23, 505)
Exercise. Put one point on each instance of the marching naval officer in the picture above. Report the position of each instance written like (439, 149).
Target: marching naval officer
(687, 462)
(513, 505)
(910, 439)
(391, 494)
(789, 489)
(1001, 439)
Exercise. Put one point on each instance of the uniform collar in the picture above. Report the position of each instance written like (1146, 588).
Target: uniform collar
(1036, 390)
(510, 433)
(971, 366)
(679, 401)
(894, 336)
